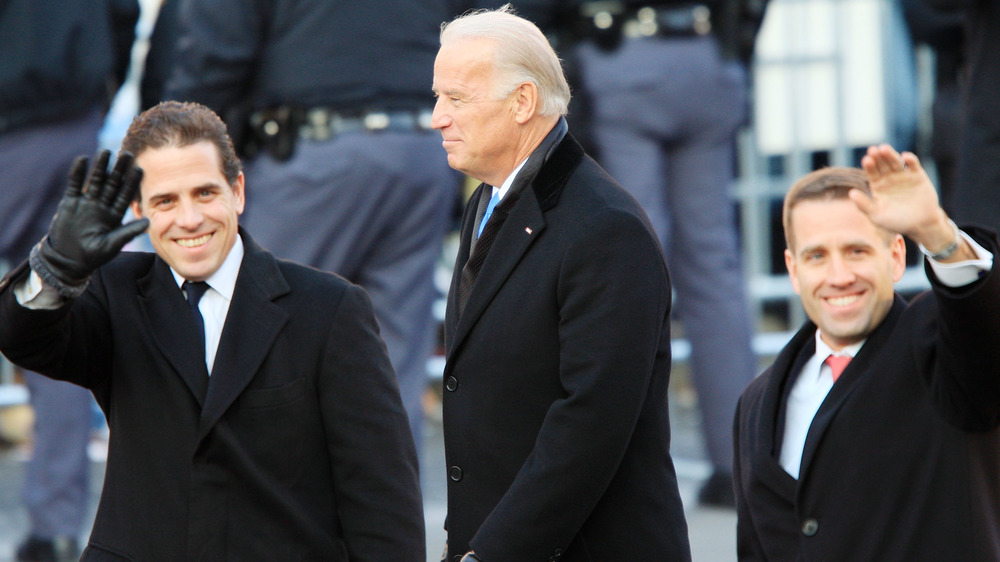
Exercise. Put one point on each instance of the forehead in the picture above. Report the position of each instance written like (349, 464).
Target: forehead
(832, 222)
(201, 156)
(463, 63)
(173, 167)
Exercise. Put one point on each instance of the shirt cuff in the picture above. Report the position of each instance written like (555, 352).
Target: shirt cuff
(34, 294)
(963, 273)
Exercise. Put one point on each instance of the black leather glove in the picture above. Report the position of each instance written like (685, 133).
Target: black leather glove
(87, 230)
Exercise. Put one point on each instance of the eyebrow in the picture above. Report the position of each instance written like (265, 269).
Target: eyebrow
(208, 185)
(848, 244)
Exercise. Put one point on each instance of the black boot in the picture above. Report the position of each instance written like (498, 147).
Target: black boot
(59, 549)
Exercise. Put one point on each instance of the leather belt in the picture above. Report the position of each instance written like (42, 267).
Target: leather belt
(321, 123)
(278, 129)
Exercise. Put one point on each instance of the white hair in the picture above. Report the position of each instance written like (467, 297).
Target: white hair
(523, 54)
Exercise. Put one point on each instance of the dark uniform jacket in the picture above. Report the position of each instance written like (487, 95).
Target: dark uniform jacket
(62, 58)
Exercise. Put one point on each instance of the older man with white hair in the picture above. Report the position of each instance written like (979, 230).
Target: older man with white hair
(557, 331)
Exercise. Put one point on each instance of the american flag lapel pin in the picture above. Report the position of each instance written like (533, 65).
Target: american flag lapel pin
(528, 229)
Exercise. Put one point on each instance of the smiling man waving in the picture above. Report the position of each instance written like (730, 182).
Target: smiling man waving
(254, 414)
(895, 456)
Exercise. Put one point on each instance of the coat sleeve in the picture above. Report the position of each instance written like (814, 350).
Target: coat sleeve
(613, 300)
(369, 439)
(748, 545)
(71, 343)
(960, 346)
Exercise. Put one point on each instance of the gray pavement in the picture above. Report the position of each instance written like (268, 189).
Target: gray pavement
(712, 531)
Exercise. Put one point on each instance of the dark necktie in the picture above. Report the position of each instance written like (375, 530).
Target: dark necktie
(837, 365)
(195, 290)
(489, 233)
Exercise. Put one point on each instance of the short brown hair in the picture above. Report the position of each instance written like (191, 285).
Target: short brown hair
(823, 184)
(182, 124)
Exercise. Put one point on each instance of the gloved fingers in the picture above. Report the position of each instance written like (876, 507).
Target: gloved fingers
(114, 181)
(130, 183)
(74, 182)
(98, 175)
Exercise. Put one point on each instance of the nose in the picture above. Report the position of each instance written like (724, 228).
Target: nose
(840, 272)
(439, 118)
(188, 216)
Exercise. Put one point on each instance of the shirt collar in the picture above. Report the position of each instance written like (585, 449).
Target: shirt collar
(823, 350)
(543, 150)
(505, 187)
(223, 281)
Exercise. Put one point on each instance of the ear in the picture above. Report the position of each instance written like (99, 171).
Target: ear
(239, 192)
(136, 209)
(897, 249)
(526, 98)
(791, 266)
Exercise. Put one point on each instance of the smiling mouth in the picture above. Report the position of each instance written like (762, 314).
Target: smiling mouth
(194, 242)
(846, 300)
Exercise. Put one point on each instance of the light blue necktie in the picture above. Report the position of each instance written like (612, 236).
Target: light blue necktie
(489, 211)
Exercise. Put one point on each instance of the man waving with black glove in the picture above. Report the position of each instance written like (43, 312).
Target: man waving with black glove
(87, 232)
(252, 407)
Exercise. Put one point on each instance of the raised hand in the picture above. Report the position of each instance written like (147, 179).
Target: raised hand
(86, 231)
(903, 198)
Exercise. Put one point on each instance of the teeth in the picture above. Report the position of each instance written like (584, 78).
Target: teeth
(192, 242)
(842, 301)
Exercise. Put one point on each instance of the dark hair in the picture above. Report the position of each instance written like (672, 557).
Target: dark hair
(173, 123)
(823, 184)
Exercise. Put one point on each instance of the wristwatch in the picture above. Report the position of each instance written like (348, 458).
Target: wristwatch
(949, 250)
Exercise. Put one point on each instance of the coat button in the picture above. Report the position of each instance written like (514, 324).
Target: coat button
(451, 384)
(810, 527)
(455, 473)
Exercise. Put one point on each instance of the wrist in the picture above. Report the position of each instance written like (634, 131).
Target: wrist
(50, 266)
(941, 252)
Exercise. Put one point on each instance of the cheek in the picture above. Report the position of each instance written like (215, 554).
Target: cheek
(793, 273)
(158, 222)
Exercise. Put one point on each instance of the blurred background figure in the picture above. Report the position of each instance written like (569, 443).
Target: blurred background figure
(160, 54)
(942, 30)
(330, 105)
(667, 92)
(63, 63)
(976, 195)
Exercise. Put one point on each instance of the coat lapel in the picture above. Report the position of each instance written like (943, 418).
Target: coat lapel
(524, 225)
(772, 419)
(166, 312)
(848, 382)
(252, 325)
